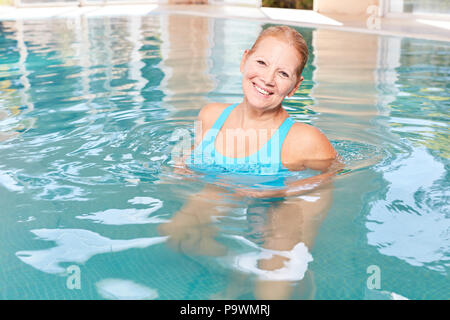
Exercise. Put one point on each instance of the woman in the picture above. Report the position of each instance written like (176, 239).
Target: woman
(257, 137)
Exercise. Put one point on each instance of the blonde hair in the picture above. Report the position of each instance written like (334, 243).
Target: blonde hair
(294, 38)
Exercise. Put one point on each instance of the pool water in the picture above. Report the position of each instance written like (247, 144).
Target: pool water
(90, 208)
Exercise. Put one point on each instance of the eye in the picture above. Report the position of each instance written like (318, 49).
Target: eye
(284, 74)
(260, 62)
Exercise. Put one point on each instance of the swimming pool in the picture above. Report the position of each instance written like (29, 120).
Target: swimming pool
(89, 113)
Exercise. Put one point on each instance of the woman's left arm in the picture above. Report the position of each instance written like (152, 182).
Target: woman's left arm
(315, 153)
(301, 186)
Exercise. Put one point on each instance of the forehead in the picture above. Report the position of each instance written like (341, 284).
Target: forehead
(277, 48)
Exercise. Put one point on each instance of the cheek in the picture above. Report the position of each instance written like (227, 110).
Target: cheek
(250, 73)
(285, 87)
(290, 88)
(292, 84)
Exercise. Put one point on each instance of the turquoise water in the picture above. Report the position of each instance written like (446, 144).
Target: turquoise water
(89, 113)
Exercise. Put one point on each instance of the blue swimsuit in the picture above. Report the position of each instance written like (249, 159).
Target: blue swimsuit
(261, 168)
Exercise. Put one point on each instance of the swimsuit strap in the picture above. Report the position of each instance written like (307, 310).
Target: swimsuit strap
(223, 117)
(273, 147)
(284, 129)
(206, 146)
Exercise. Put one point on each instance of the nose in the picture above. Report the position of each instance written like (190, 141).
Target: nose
(269, 77)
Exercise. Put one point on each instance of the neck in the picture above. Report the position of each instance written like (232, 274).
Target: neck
(252, 117)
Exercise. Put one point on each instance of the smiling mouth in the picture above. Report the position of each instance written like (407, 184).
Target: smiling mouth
(261, 90)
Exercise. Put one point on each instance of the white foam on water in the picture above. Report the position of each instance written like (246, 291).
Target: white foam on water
(294, 267)
(119, 289)
(8, 182)
(76, 246)
(147, 200)
(129, 215)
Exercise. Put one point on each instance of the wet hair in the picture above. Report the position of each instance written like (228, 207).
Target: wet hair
(294, 38)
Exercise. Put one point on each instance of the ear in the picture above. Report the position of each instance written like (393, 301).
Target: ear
(244, 59)
(297, 85)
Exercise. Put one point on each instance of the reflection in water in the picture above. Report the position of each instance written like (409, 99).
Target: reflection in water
(186, 61)
(410, 222)
(345, 85)
(15, 97)
(55, 192)
(88, 108)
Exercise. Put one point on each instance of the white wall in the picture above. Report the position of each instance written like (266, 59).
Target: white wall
(354, 7)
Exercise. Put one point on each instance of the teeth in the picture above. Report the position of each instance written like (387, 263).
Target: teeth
(261, 90)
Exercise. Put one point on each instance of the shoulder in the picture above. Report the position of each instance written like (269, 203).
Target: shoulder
(210, 112)
(207, 117)
(212, 109)
(306, 142)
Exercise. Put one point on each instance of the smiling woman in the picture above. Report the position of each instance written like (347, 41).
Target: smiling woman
(234, 141)
(273, 69)
(235, 138)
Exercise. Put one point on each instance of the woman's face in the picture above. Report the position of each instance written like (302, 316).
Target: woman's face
(269, 73)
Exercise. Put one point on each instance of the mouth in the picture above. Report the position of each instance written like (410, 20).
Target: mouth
(262, 91)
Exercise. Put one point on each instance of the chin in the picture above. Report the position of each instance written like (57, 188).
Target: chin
(256, 103)
(256, 100)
